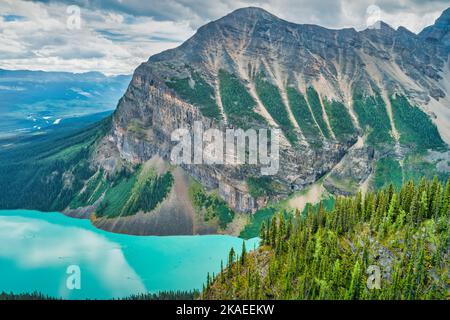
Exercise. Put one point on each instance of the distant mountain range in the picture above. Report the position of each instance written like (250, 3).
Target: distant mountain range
(33, 100)
(357, 110)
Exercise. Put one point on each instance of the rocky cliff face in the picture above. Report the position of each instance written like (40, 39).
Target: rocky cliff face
(158, 112)
(251, 69)
(440, 31)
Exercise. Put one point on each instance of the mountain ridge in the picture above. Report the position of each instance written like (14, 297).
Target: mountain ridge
(253, 45)
(440, 30)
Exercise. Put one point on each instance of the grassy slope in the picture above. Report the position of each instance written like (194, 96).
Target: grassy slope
(340, 120)
(195, 90)
(373, 118)
(415, 127)
(237, 102)
(303, 115)
(209, 206)
(271, 98)
(387, 171)
(316, 107)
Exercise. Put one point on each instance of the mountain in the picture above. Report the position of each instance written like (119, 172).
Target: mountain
(31, 101)
(440, 31)
(357, 111)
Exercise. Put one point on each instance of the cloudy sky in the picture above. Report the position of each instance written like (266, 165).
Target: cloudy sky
(114, 36)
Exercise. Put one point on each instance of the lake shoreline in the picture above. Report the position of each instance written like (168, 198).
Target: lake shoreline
(36, 249)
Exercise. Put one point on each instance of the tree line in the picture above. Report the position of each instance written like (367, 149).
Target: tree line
(324, 254)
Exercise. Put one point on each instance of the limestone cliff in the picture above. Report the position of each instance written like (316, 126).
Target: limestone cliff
(329, 71)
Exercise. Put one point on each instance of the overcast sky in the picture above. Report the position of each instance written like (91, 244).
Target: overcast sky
(114, 36)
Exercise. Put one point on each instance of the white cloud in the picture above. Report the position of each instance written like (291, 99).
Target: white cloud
(117, 35)
(108, 42)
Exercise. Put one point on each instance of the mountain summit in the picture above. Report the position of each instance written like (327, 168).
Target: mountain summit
(440, 31)
(248, 14)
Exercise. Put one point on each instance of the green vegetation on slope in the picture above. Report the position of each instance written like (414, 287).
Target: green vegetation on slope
(161, 295)
(415, 127)
(210, 206)
(416, 166)
(149, 193)
(24, 296)
(117, 195)
(325, 204)
(373, 118)
(135, 126)
(251, 230)
(271, 98)
(303, 115)
(46, 174)
(237, 103)
(196, 91)
(387, 171)
(166, 295)
(94, 188)
(331, 254)
(131, 192)
(263, 215)
(340, 120)
(316, 107)
(56, 173)
(263, 186)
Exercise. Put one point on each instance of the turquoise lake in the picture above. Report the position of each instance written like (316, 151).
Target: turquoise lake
(37, 248)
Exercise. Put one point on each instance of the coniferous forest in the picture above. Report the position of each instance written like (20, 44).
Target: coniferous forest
(392, 244)
(162, 295)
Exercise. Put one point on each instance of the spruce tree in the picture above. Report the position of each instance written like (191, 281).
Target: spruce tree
(243, 254)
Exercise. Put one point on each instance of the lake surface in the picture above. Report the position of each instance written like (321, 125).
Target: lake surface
(36, 249)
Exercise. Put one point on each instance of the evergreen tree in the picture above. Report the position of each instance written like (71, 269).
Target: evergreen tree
(325, 254)
(243, 254)
(262, 233)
